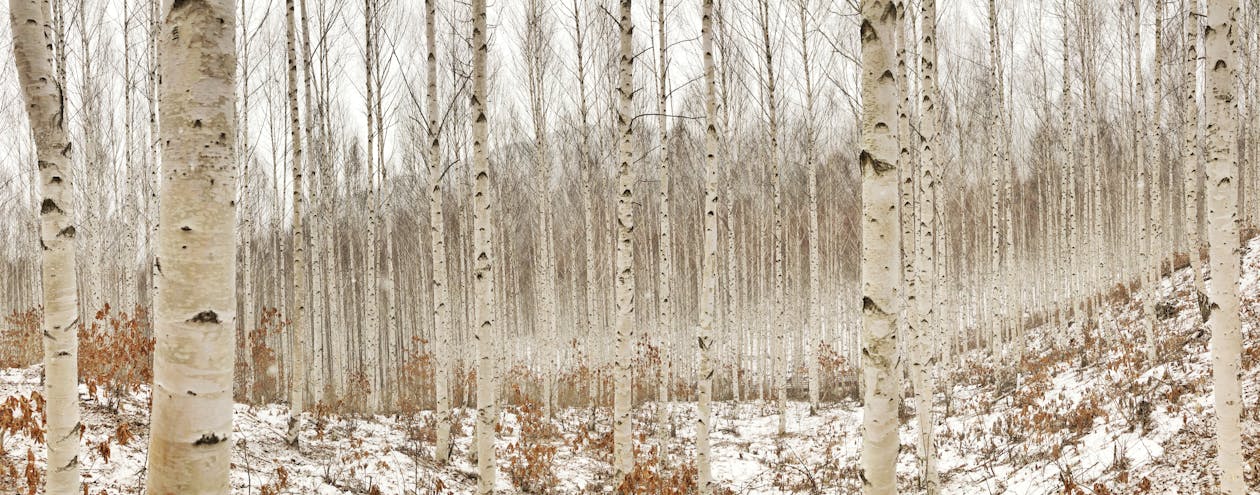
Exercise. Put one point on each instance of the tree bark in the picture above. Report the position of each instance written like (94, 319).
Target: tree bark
(623, 447)
(708, 267)
(880, 257)
(921, 356)
(45, 107)
(1223, 245)
(189, 450)
(298, 328)
(483, 217)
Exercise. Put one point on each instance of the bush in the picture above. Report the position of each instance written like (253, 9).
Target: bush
(20, 344)
(115, 354)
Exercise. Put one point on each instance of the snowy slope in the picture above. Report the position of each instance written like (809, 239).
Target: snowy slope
(1094, 420)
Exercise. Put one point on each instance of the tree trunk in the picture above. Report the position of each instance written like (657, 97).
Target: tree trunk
(623, 447)
(483, 216)
(46, 110)
(880, 257)
(708, 267)
(189, 450)
(298, 328)
(1223, 245)
(1190, 146)
(921, 356)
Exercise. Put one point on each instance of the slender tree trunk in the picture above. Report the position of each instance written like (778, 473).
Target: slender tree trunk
(371, 334)
(45, 107)
(1190, 145)
(708, 267)
(880, 256)
(813, 328)
(921, 356)
(779, 313)
(442, 327)
(189, 451)
(623, 447)
(665, 318)
(483, 217)
(1223, 245)
(299, 329)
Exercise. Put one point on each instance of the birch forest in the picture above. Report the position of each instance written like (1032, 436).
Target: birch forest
(631, 247)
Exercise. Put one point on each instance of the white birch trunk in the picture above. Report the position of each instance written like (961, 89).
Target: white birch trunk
(708, 267)
(484, 307)
(921, 356)
(1190, 145)
(45, 108)
(195, 311)
(1223, 246)
(442, 328)
(623, 447)
(881, 262)
(299, 329)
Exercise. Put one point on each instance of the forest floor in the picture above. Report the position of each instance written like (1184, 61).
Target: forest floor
(1086, 414)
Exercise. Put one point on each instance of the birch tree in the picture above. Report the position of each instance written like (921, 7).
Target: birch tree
(45, 107)
(437, 244)
(779, 314)
(297, 387)
(708, 267)
(921, 357)
(623, 446)
(1190, 144)
(881, 262)
(483, 284)
(1222, 236)
(189, 449)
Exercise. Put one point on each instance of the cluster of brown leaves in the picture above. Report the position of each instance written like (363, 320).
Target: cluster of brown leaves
(20, 344)
(531, 458)
(116, 354)
(21, 416)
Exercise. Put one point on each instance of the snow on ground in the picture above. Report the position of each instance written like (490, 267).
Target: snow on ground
(1087, 417)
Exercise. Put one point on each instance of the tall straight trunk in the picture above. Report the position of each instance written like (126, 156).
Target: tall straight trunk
(1223, 245)
(732, 266)
(813, 328)
(538, 48)
(588, 214)
(1190, 143)
(906, 170)
(708, 266)
(995, 177)
(1155, 184)
(881, 261)
(58, 279)
(921, 356)
(442, 327)
(190, 446)
(623, 447)
(665, 318)
(1068, 169)
(483, 217)
(778, 368)
(371, 332)
(298, 329)
(1146, 185)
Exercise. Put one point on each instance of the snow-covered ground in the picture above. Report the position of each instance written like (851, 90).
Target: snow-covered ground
(1089, 417)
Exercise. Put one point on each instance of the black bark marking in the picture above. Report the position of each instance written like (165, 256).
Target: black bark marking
(67, 232)
(207, 438)
(49, 206)
(206, 316)
(185, 228)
